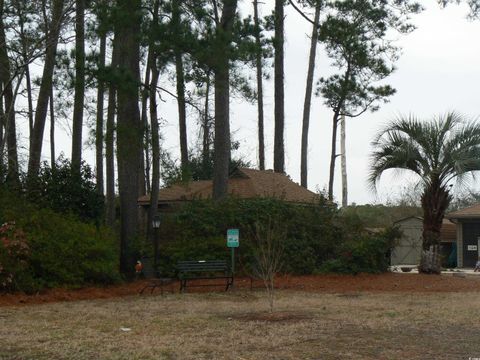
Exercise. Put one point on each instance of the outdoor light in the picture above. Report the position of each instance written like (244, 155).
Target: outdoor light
(156, 222)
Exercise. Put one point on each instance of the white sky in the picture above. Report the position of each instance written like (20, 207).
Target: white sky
(438, 72)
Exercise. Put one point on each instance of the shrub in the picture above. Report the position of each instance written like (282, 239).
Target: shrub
(198, 229)
(14, 258)
(61, 249)
(367, 254)
(65, 190)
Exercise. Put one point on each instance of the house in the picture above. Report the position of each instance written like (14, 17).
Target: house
(243, 183)
(408, 249)
(468, 234)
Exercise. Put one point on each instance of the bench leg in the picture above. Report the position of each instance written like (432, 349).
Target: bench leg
(229, 283)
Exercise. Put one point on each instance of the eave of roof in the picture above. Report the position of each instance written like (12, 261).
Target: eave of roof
(471, 212)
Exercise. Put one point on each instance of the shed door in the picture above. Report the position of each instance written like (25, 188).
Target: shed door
(471, 239)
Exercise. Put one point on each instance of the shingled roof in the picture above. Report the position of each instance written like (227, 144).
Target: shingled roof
(243, 183)
(471, 212)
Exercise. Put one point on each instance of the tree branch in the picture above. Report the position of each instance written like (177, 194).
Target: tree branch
(301, 12)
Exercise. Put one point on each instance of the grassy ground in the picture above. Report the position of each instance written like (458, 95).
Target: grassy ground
(236, 325)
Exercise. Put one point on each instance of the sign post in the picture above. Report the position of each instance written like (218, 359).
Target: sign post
(233, 240)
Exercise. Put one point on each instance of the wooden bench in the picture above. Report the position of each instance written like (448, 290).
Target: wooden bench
(203, 270)
(155, 279)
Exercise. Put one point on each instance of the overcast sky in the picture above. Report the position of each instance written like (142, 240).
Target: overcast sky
(438, 71)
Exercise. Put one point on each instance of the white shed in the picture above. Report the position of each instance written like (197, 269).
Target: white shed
(408, 249)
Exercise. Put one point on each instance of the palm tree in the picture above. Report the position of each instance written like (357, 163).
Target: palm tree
(439, 151)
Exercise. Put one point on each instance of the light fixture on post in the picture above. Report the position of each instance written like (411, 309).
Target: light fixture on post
(156, 227)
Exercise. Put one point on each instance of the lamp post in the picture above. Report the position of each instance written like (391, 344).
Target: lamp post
(156, 227)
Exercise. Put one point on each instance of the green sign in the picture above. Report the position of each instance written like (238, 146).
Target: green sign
(233, 236)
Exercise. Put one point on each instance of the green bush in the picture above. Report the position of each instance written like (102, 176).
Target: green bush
(198, 229)
(367, 254)
(66, 190)
(14, 258)
(63, 251)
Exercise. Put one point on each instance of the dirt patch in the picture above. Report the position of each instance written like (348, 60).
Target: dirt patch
(336, 284)
(276, 316)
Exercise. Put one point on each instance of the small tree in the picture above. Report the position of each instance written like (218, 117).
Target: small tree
(269, 240)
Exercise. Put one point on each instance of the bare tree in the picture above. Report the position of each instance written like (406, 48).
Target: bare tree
(269, 239)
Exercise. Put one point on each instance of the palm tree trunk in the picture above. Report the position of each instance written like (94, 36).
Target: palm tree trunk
(258, 63)
(343, 161)
(308, 97)
(77, 125)
(222, 101)
(44, 93)
(435, 201)
(100, 109)
(278, 146)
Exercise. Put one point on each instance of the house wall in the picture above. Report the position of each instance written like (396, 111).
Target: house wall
(470, 239)
(409, 247)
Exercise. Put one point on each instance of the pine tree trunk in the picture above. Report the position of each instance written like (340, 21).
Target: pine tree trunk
(28, 80)
(10, 123)
(182, 114)
(35, 152)
(110, 211)
(152, 211)
(129, 128)
(278, 146)
(100, 117)
(308, 98)
(222, 101)
(52, 130)
(2, 126)
(77, 125)
(343, 160)
(206, 126)
(258, 63)
(333, 155)
(29, 100)
(147, 141)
